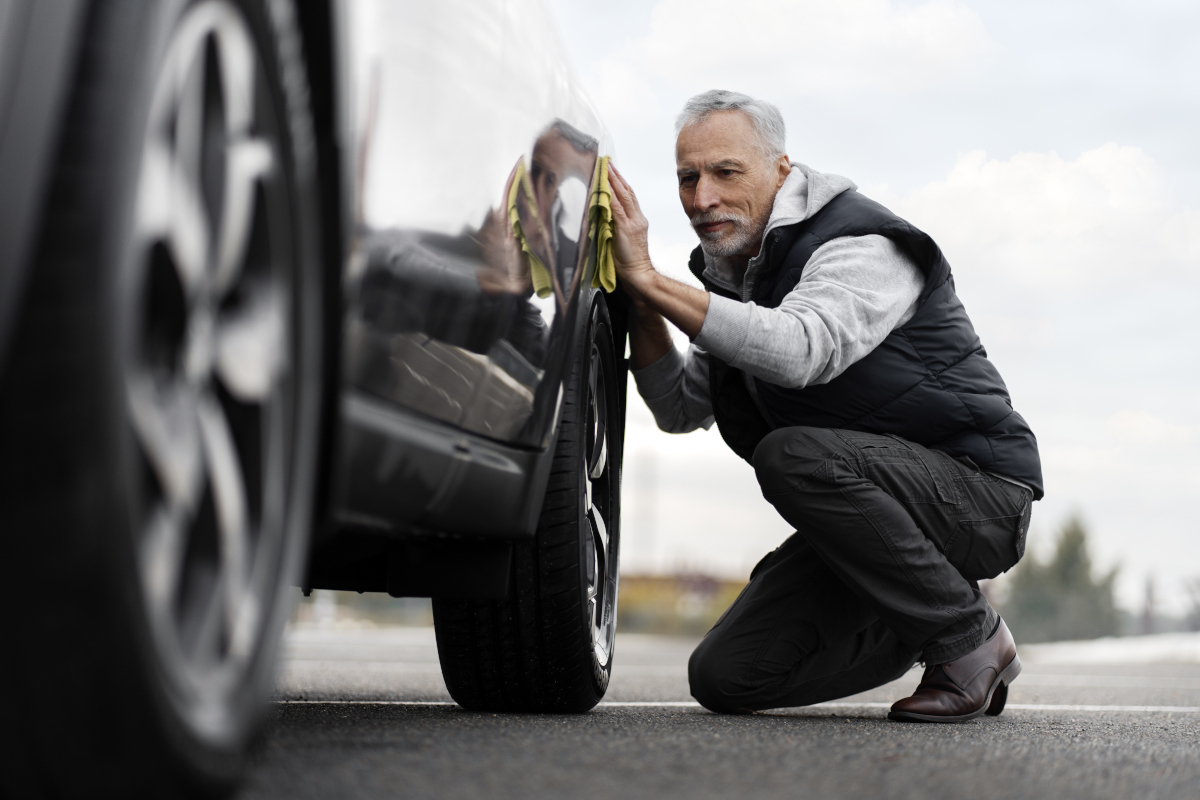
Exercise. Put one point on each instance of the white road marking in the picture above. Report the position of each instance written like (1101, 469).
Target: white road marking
(694, 704)
(1028, 679)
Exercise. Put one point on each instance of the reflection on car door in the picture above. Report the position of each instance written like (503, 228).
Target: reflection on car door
(473, 187)
(457, 327)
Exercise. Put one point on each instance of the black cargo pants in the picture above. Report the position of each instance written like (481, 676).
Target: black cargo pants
(890, 539)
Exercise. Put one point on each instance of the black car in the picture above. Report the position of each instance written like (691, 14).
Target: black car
(292, 294)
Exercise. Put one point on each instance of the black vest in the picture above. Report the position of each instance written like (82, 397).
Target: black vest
(929, 381)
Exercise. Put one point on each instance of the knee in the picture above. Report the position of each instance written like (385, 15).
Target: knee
(707, 682)
(786, 456)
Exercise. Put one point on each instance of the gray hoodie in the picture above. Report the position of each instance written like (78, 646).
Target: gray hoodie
(854, 292)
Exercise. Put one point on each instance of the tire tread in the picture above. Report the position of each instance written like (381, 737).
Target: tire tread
(529, 652)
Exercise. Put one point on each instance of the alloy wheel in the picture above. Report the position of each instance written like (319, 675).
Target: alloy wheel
(600, 545)
(211, 393)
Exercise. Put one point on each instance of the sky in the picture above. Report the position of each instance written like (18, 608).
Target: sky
(1052, 149)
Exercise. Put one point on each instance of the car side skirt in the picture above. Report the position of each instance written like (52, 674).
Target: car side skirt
(401, 475)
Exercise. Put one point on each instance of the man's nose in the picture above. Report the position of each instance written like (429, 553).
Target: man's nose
(706, 194)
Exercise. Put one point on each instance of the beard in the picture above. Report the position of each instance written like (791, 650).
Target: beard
(745, 237)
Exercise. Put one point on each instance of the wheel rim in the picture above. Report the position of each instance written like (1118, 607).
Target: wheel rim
(210, 393)
(600, 546)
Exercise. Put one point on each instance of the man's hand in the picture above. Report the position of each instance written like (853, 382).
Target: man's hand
(631, 251)
(653, 294)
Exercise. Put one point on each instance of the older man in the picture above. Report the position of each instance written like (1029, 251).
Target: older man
(831, 350)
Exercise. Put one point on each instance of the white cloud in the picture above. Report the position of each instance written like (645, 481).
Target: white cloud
(791, 48)
(1053, 223)
(621, 93)
(1136, 427)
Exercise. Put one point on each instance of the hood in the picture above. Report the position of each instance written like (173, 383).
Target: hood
(803, 194)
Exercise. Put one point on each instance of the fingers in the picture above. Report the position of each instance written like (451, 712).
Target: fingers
(620, 203)
(508, 184)
(619, 184)
(625, 204)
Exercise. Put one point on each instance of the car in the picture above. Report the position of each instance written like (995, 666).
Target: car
(293, 295)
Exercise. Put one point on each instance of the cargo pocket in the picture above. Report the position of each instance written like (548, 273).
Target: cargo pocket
(902, 470)
(983, 548)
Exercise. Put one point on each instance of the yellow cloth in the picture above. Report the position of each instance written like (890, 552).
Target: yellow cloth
(537, 270)
(600, 227)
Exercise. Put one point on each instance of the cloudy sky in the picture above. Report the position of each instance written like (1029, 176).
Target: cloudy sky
(1053, 151)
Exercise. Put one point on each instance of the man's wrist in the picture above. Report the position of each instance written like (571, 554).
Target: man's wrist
(640, 282)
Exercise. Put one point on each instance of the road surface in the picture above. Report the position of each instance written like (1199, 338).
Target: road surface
(364, 713)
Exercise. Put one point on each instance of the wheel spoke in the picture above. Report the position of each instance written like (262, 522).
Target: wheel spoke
(165, 421)
(237, 63)
(189, 118)
(598, 458)
(189, 229)
(229, 497)
(600, 535)
(207, 639)
(161, 555)
(170, 209)
(593, 584)
(252, 346)
(248, 160)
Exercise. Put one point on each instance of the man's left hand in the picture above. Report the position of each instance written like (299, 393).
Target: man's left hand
(653, 294)
(631, 251)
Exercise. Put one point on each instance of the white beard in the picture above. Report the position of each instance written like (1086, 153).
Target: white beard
(746, 234)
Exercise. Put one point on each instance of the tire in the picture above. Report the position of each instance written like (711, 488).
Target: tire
(548, 647)
(160, 413)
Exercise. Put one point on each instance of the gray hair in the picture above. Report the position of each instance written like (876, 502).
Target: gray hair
(582, 143)
(767, 120)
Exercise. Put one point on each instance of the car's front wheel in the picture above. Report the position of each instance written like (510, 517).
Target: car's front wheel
(549, 645)
(159, 417)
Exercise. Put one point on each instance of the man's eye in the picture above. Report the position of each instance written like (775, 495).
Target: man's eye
(687, 180)
(724, 173)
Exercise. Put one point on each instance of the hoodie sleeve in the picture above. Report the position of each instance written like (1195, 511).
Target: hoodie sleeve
(675, 389)
(854, 292)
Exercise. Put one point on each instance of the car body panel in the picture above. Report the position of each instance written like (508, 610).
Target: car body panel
(452, 365)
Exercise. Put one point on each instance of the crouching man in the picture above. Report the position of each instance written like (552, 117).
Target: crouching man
(832, 352)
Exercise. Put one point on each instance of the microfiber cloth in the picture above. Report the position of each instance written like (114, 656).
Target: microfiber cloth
(600, 227)
(521, 187)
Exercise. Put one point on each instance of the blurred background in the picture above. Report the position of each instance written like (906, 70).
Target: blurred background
(1051, 150)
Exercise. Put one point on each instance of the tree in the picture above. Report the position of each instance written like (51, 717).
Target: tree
(1060, 599)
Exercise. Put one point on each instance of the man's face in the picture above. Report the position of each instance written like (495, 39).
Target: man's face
(555, 160)
(727, 186)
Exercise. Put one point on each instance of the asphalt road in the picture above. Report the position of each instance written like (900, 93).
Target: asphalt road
(364, 713)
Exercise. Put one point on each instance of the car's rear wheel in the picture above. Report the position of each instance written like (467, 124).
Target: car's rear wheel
(549, 645)
(159, 419)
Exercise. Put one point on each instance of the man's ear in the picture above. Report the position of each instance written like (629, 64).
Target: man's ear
(784, 164)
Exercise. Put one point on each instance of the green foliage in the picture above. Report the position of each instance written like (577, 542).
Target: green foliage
(1060, 599)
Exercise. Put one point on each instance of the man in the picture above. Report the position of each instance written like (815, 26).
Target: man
(832, 352)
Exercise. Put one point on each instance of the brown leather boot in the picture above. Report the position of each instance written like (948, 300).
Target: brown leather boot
(963, 689)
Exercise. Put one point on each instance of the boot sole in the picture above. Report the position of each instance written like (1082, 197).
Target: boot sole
(1006, 677)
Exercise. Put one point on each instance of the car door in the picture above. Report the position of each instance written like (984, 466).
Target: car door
(471, 199)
